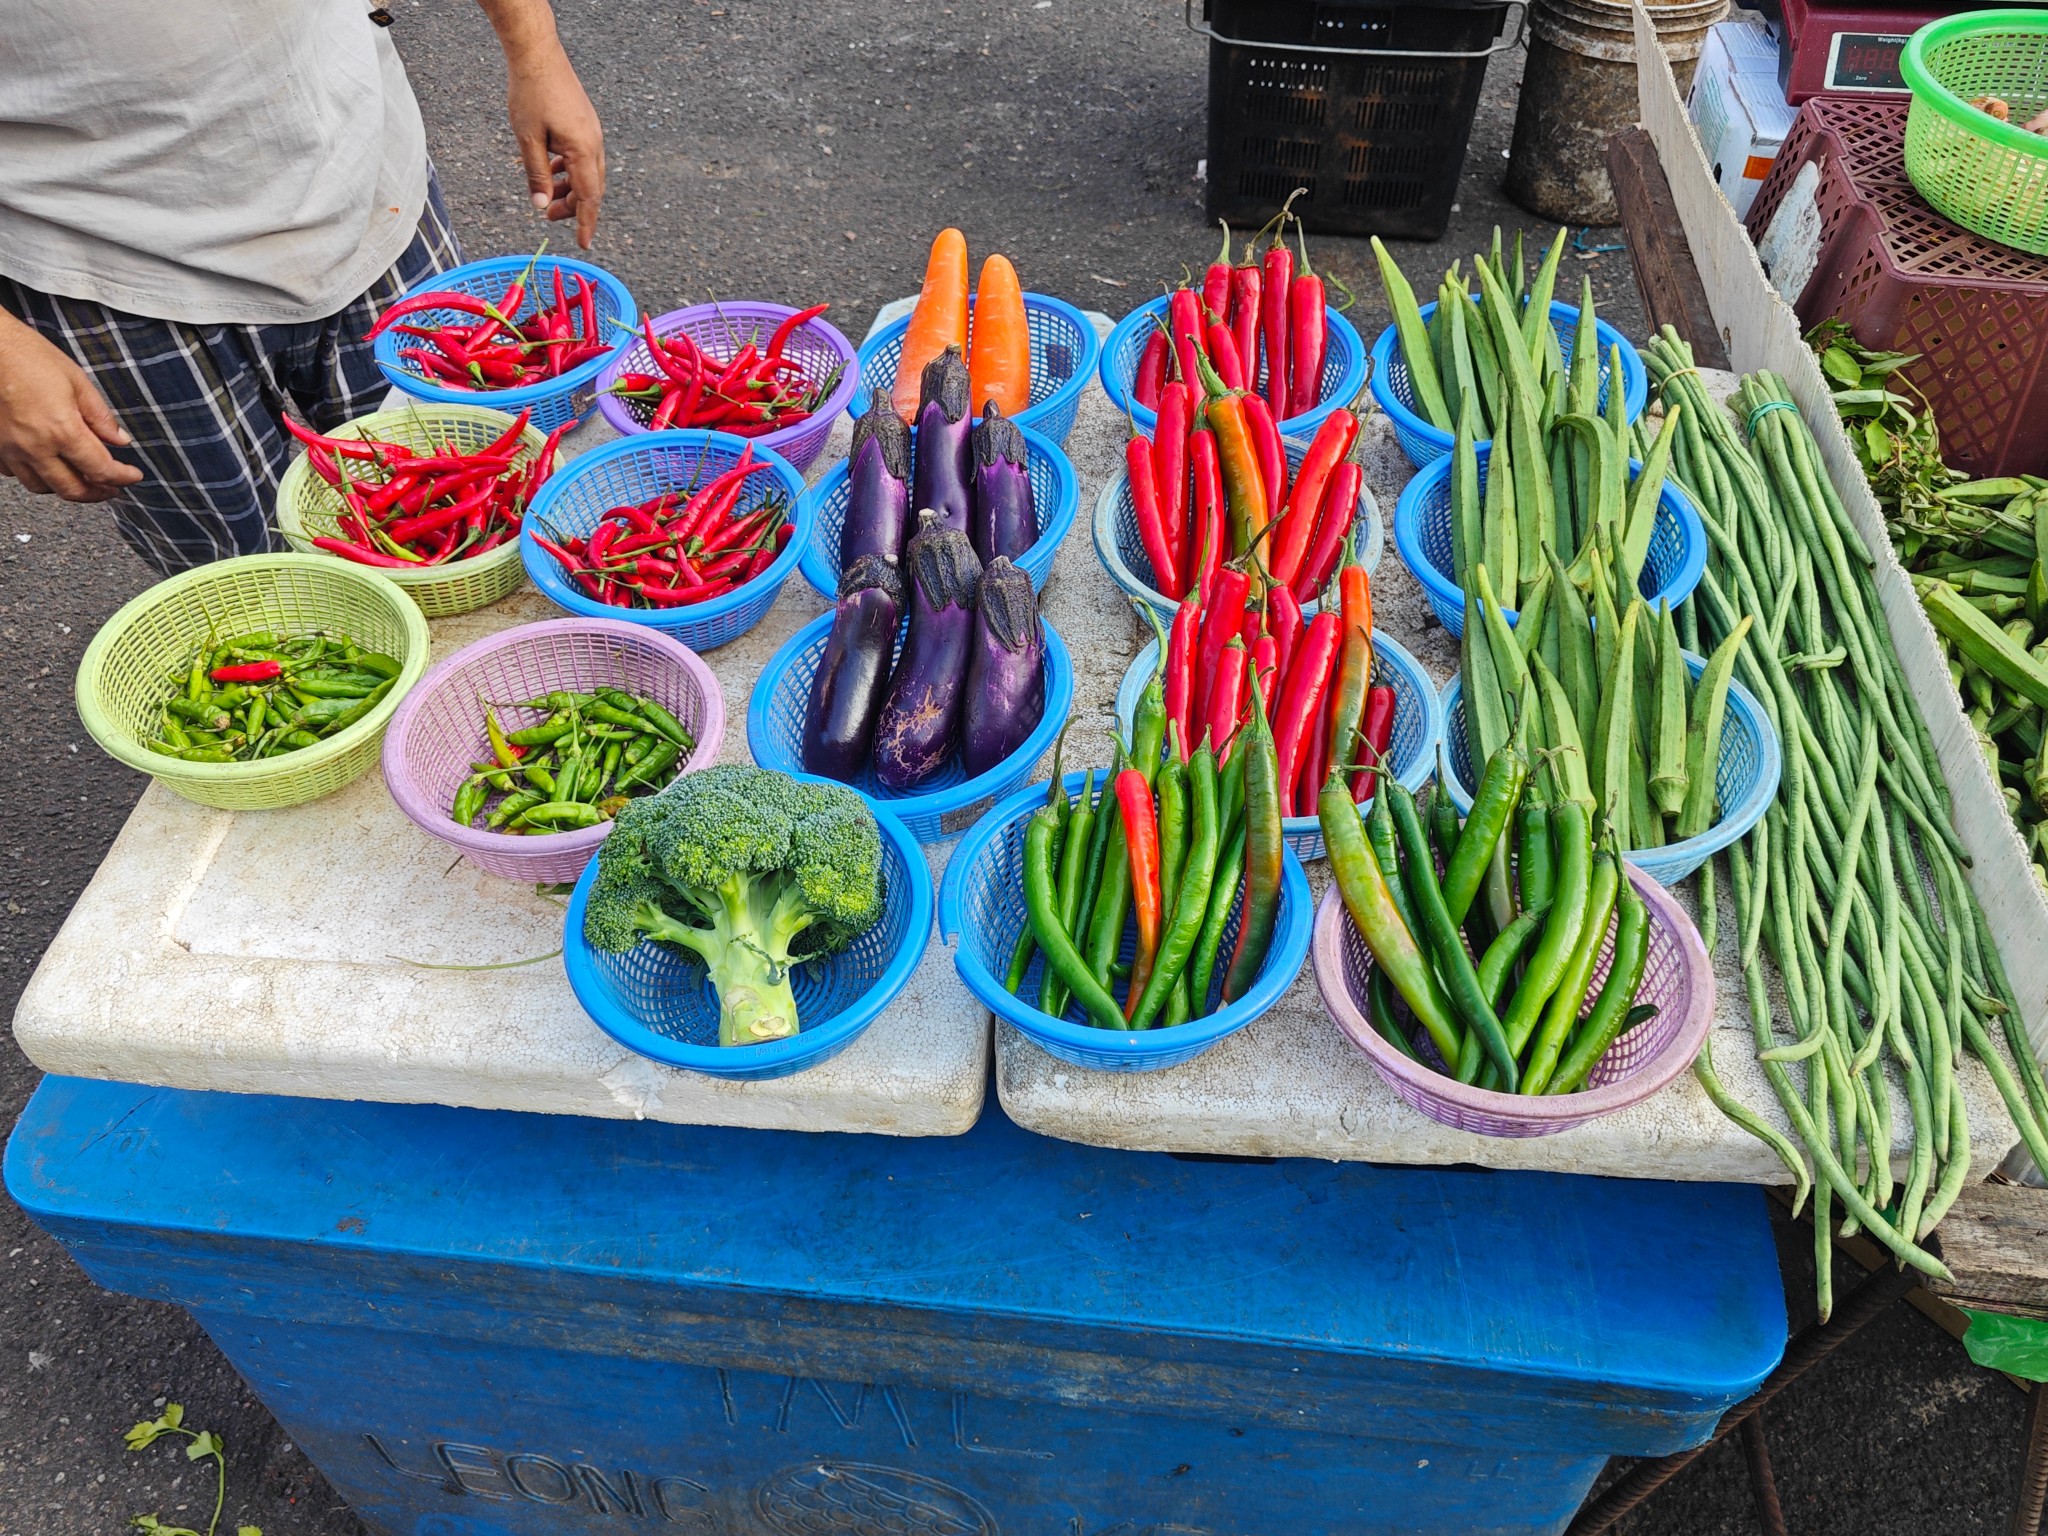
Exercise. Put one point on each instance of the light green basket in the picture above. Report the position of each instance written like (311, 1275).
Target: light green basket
(308, 506)
(121, 682)
(1989, 176)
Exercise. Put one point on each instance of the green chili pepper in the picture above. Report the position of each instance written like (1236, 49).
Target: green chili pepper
(1613, 1014)
(468, 801)
(513, 805)
(359, 709)
(1027, 944)
(1223, 894)
(1561, 931)
(542, 735)
(1041, 906)
(559, 813)
(1074, 840)
(1171, 788)
(1563, 1009)
(1441, 936)
(1493, 807)
(1104, 823)
(1368, 897)
(194, 754)
(668, 725)
(1533, 867)
(1379, 1004)
(1190, 906)
(1444, 829)
(1264, 847)
(337, 685)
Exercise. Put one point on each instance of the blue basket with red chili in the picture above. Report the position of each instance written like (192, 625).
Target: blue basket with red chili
(590, 301)
(633, 471)
(982, 911)
(658, 1001)
(1063, 350)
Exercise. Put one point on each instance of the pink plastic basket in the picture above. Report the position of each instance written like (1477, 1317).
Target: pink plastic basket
(439, 729)
(1678, 978)
(721, 330)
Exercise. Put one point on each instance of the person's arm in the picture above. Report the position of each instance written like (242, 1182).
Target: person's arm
(560, 139)
(54, 423)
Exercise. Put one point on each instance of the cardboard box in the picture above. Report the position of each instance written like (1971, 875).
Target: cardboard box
(1738, 107)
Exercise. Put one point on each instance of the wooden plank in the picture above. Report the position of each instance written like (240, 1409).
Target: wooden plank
(1658, 249)
(1995, 1240)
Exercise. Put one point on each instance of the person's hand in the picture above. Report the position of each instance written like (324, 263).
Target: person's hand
(54, 423)
(560, 139)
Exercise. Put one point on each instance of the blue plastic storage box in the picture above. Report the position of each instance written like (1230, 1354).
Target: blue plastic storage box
(498, 1324)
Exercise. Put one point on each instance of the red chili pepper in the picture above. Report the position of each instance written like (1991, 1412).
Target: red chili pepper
(1141, 840)
(248, 672)
(1223, 353)
(1246, 282)
(1222, 615)
(1170, 474)
(586, 308)
(783, 331)
(446, 299)
(1307, 336)
(1252, 627)
(741, 530)
(1378, 732)
(1150, 517)
(1301, 700)
(1216, 281)
(767, 557)
(1273, 320)
(1209, 533)
(1226, 698)
(1260, 663)
(1283, 617)
(1272, 456)
(358, 554)
(409, 528)
(1289, 544)
(708, 505)
(1179, 681)
(340, 447)
(1315, 761)
(1151, 374)
(1184, 315)
(1333, 529)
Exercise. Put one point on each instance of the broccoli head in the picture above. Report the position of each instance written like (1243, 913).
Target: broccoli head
(750, 870)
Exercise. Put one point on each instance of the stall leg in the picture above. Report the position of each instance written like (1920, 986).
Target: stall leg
(1762, 1486)
(1871, 1299)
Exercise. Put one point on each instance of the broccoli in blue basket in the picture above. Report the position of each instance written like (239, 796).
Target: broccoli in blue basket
(751, 870)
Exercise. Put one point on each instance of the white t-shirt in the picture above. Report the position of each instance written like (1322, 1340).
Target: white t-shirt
(210, 161)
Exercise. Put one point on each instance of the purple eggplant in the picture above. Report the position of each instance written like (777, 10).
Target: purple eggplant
(878, 486)
(1006, 674)
(943, 481)
(921, 717)
(1004, 522)
(853, 674)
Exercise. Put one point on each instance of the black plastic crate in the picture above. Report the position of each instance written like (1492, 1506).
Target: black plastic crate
(1366, 108)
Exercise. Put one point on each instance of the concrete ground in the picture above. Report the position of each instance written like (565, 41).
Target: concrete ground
(798, 153)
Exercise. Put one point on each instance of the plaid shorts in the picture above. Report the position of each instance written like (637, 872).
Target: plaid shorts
(203, 401)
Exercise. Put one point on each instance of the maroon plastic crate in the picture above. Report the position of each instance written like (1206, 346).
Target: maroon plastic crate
(1906, 279)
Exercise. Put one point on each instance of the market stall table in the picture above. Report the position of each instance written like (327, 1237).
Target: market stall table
(483, 1324)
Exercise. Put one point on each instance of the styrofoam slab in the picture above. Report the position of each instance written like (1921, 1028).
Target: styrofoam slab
(300, 951)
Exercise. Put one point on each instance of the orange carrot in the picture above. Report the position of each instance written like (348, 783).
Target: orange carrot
(999, 364)
(938, 322)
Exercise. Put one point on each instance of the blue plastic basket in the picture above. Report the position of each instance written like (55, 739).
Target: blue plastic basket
(1411, 750)
(658, 1001)
(981, 906)
(1063, 349)
(1424, 443)
(1055, 497)
(571, 397)
(1745, 778)
(1422, 534)
(630, 471)
(1122, 551)
(951, 802)
(1344, 367)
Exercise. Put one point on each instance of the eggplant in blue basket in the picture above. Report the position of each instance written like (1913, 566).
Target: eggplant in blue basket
(1004, 521)
(853, 674)
(878, 487)
(943, 478)
(921, 718)
(1006, 672)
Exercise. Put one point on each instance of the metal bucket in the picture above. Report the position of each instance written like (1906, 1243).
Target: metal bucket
(1578, 88)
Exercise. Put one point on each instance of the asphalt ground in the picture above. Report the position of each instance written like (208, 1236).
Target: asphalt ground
(801, 153)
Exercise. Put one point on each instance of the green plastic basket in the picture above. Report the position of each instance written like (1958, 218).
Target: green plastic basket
(308, 506)
(121, 680)
(1988, 176)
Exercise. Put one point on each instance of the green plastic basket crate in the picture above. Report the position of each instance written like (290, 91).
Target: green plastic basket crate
(1988, 176)
(121, 681)
(307, 506)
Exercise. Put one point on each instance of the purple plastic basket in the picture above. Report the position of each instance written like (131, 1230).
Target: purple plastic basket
(1678, 978)
(721, 330)
(439, 729)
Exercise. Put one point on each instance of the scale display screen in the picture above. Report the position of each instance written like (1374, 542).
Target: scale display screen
(1865, 61)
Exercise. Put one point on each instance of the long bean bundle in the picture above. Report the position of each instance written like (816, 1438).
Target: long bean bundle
(1853, 881)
